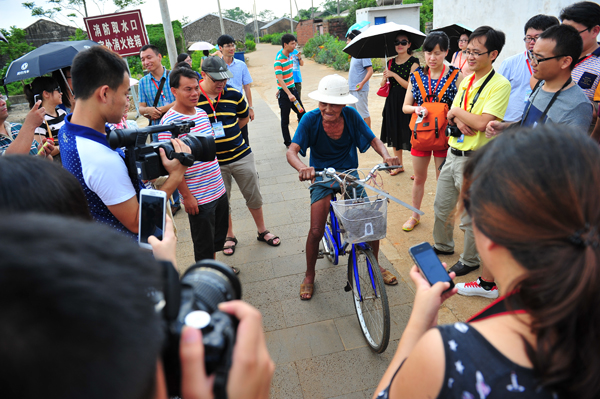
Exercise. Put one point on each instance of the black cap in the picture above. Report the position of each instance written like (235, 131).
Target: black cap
(216, 68)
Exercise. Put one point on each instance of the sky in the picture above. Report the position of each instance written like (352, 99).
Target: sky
(13, 13)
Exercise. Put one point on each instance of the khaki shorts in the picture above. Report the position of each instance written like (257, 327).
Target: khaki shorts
(246, 177)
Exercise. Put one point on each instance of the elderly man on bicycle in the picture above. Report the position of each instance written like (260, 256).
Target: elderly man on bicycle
(333, 132)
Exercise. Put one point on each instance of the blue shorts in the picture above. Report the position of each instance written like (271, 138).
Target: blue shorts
(332, 187)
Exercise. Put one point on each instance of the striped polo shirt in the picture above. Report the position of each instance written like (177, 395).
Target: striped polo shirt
(54, 123)
(285, 67)
(230, 107)
(587, 75)
(202, 178)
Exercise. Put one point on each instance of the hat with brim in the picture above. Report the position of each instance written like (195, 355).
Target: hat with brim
(333, 89)
(216, 68)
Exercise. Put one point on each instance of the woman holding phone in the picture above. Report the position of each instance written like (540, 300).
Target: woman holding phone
(538, 233)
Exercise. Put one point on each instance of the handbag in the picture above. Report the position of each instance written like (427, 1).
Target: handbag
(429, 134)
(384, 90)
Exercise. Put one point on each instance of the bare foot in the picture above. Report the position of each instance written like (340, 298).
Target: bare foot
(307, 288)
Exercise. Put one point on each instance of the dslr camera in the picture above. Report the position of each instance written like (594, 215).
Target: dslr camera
(193, 301)
(143, 159)
(453, 131)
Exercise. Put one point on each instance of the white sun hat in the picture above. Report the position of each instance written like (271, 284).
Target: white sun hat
(333, 89)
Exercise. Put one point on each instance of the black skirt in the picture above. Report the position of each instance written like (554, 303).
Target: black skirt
(394, 127)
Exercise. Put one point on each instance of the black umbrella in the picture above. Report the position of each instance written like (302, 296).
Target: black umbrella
(45, 59)
(453, 31)
(378, 40)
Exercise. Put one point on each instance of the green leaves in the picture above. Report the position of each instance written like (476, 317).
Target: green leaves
(237, 14)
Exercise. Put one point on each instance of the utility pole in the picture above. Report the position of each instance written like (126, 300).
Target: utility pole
(291, 19)
(257, 34)
(312, 10)
(168, 28)
(338, 8)
(221, 17)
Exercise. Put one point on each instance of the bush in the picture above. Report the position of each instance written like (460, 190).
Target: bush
(249, 36)
(250, 45)
(377, 64)
(328, 50)
(266, 38)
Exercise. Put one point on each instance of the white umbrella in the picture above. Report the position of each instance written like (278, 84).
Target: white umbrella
(201, 46)
(378, 40)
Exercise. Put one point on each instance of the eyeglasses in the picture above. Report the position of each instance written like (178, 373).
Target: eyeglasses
(463, 41)
(57, 89)
(3, 97)
(583, 30)
(536, 60)
(230, 45)
(401, 43)
(216, 81)
(476, 55)
(529, 39)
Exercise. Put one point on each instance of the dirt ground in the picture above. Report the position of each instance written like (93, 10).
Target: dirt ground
(397, 242)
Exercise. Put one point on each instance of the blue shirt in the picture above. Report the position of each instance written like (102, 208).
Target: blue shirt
(100, 170)
(148, 87)
(518, 72)
(358, 71)
(325, 152)
(241, 75)
(296, 66)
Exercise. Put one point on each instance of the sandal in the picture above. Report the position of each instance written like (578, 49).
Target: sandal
(236, 271)
(389, 278)
(306, 289)
(410, 224)
(232, 247)
(412, 177)
(399, 170)
(261, 237)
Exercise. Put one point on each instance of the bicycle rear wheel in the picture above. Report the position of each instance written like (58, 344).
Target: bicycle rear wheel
(370, 298)
(329, 247)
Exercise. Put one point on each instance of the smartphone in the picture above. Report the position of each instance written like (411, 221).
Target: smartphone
(429, 264)
(153, 210)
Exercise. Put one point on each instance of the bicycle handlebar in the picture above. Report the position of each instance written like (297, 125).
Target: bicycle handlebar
(341, 177)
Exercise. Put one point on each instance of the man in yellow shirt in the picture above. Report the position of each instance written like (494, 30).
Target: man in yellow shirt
(481, 98)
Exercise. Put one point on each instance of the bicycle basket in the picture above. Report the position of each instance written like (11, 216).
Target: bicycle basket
(362, 219)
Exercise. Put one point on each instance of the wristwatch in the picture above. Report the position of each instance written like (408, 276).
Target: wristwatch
(250, 107)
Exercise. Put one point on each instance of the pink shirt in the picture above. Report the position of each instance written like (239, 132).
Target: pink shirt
(459, 60)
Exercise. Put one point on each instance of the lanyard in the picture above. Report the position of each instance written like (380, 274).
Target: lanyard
(463, 64)
(528, 64)
(580, 61)
(210, 102)
(439, 80)
(468, 89)
(161, 93)
(554, 97)
(499, 308)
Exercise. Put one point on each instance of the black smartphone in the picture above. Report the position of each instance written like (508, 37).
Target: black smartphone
(429, 264)
(153, 207)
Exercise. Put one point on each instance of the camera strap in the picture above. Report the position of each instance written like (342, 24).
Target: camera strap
(184, 159)
(159, 89)
(485, 82)
(537, 89)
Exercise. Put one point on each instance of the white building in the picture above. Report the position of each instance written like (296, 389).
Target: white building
(508, 16)
(404, 14)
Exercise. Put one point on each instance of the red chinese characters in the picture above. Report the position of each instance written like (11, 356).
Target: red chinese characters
(122, 32)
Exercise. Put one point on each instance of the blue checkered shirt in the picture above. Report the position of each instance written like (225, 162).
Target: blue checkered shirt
(148, 87)
(13, 130)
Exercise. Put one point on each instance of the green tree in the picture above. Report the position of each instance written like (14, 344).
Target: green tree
(75, 10)
(237, 14)
(426, 13)
(156, 36)
(15, 48)
(330, 7)
(306, 14)
(266, 15)
(357, 5)
(79, 35)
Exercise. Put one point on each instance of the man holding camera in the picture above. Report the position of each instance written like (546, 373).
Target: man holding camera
(228, 113)
(202, 190)
(101, 85)
(481, 98)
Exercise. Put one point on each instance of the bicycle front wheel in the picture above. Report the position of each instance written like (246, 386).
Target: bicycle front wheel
(370, 298)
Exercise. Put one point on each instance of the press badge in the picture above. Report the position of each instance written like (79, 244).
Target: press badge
(461, 139)
(527, 95)
(218, 130)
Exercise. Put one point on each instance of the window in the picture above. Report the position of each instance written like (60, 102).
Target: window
(380, 20)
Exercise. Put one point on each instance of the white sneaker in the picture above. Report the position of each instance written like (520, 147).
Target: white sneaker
(474, 288)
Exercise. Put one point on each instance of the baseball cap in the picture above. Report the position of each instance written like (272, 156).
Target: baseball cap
(216, 68)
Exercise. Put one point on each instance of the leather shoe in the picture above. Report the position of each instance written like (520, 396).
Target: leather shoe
(437, 251)
(461, 269)
(175, 209)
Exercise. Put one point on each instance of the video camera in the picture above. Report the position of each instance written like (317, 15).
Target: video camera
(143, 160)
(193, 301)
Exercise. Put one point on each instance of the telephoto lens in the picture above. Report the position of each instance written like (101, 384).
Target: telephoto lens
(202, 287)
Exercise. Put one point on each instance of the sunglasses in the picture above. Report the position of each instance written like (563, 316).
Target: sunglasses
(216, 81)
(401, 42)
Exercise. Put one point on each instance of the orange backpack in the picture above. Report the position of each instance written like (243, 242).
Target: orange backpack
(430, 133)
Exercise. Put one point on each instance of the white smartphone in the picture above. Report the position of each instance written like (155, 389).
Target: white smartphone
(153, 210)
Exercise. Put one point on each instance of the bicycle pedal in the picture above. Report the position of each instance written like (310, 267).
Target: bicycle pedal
(348, 287)
(321, 255)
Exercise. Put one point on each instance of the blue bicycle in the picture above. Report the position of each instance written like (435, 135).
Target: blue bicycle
(351, 224)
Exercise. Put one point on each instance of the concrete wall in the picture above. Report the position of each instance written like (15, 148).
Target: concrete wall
(44, 31)
(208, 29)
(508, 16)
(406, 14)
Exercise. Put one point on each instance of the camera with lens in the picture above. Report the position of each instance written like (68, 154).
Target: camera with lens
(193, 301)
(453, 131)
(144, 160)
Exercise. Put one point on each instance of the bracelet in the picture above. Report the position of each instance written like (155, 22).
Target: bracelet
(250, 107)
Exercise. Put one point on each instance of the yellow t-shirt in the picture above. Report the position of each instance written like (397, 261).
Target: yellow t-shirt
(493, 100)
